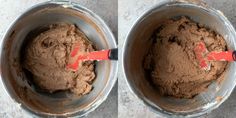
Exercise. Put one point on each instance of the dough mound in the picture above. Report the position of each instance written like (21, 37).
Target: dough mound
(47, 55)
(171, 63)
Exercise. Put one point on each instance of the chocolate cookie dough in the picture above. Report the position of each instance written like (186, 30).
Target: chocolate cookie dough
(47, 55)
(171, 62)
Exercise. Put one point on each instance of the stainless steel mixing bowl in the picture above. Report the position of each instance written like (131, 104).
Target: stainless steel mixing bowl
(137, 44)
(62, 103)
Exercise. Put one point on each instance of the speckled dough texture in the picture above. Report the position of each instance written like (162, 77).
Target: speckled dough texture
(171, 62)
(47, 55)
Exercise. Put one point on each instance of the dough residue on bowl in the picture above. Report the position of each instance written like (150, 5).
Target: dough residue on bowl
(171, 63)
(47, 55)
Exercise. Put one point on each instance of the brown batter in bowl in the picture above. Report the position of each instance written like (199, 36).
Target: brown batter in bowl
(47, 55)
(171, 62)
(62, 103)
(139, 44)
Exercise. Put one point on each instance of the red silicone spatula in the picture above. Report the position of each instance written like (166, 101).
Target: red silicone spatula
(109, 54)
(204, 56)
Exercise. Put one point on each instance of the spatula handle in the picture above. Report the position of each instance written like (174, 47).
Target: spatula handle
(113, 54)
(234, 55)
(222, 56)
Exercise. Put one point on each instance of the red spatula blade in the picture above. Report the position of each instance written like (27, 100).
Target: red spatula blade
(200, 52)
(75, 50)
(96, 55)
(74, 66)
